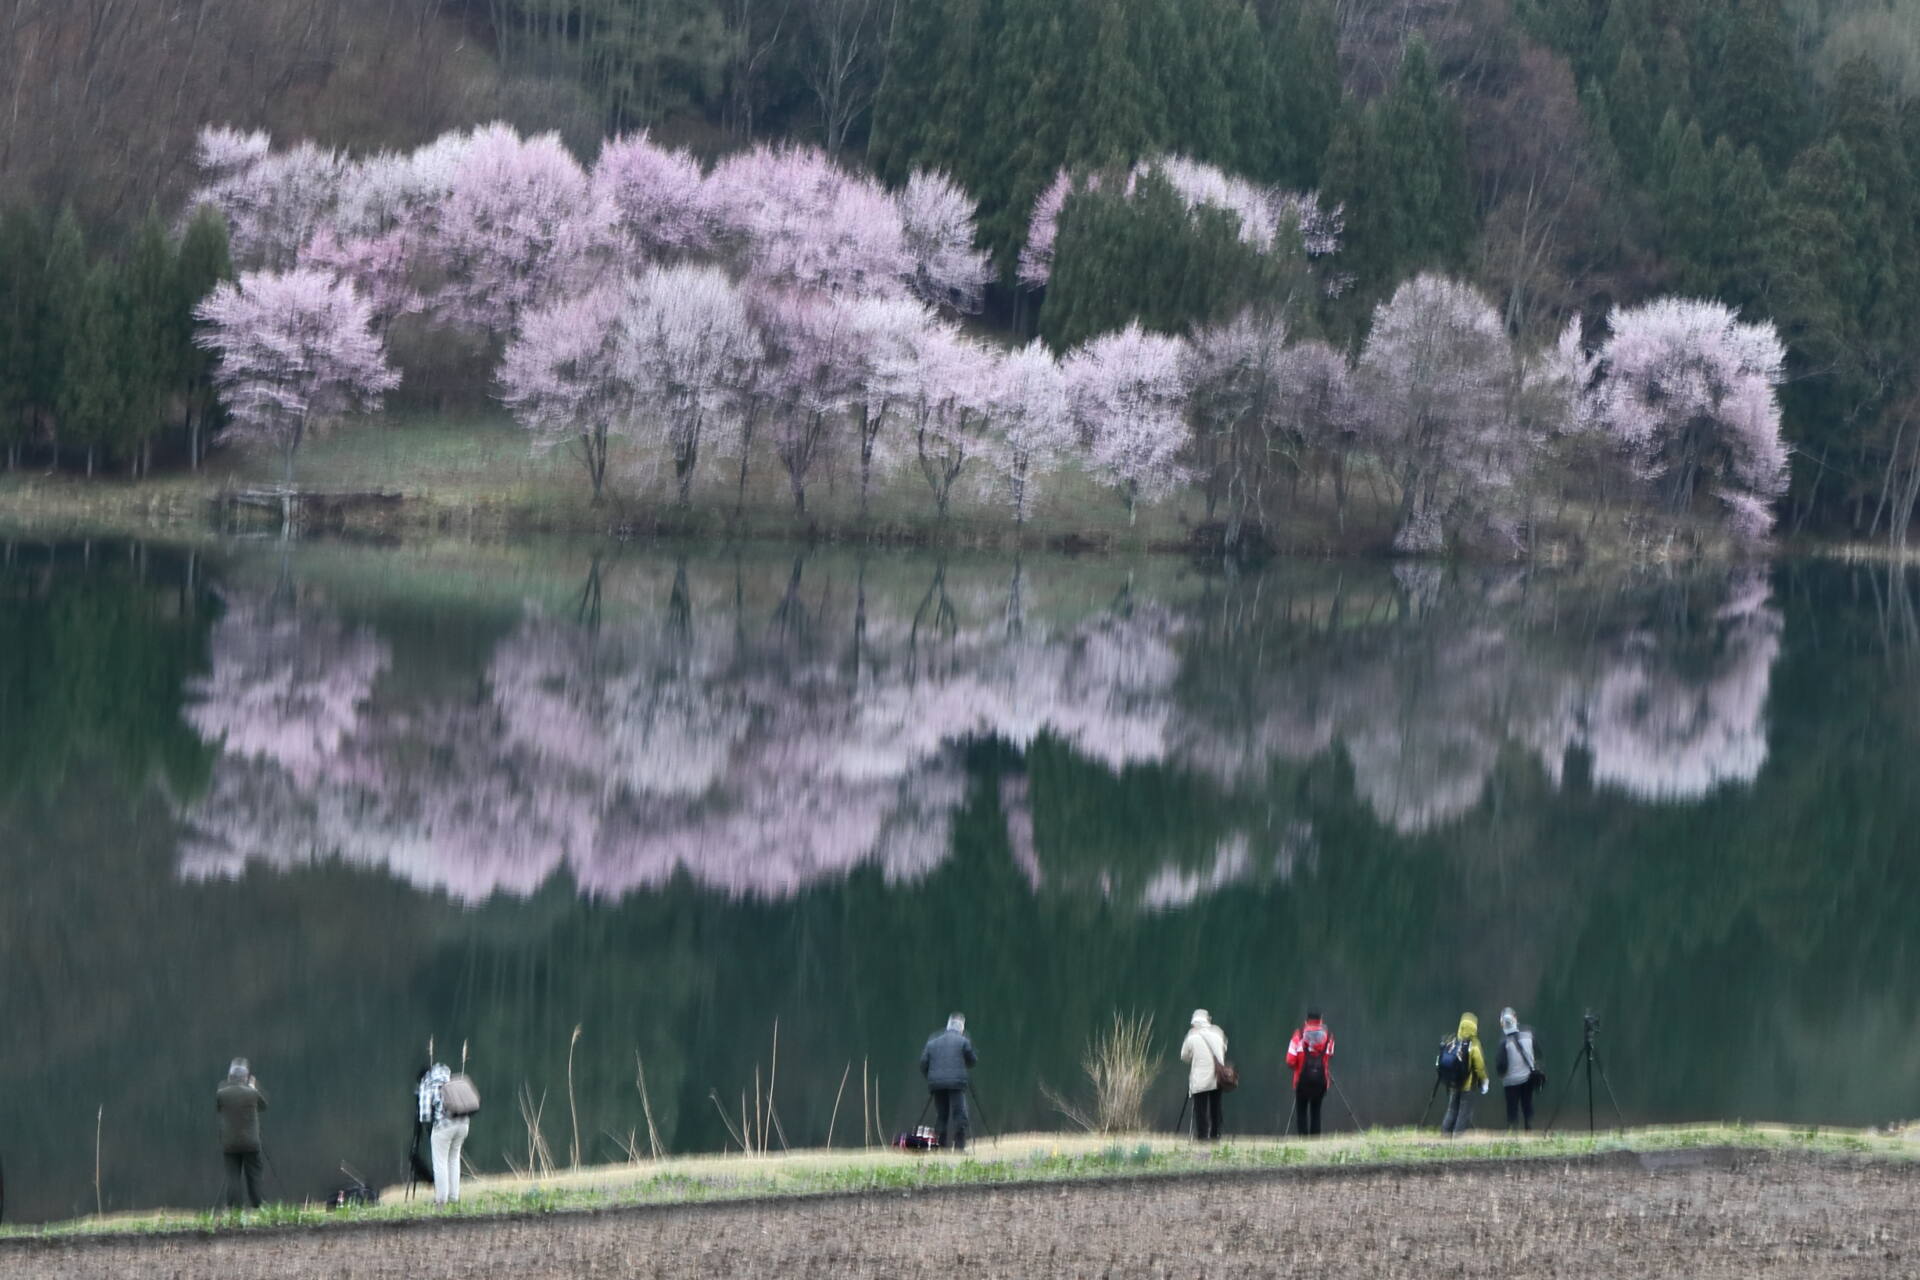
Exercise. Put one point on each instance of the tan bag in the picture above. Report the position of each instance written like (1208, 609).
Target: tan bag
(459, 1098)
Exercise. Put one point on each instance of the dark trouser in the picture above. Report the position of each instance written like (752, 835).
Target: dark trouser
(1519, 1103)
(950, 1117)
(1459, 1117)
(1306, 1109)
(1206, 1115)
(243, 1178)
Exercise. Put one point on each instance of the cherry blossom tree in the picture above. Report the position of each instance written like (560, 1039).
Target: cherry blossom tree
(798, 220)
(1027, 403)
(295, 352)
(381, 221)
(565, 380)
(1237, 404)
(274, 201)
(1043, 226)
(1688, 393)
(517, 227)
(1128, 396)
(1435, 379)
(936, 217)
(947, 397)
(685, 341)
(812, 378)
(659, 202)
(885, 345)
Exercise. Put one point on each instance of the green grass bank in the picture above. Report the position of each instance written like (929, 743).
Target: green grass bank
(1016, 1161)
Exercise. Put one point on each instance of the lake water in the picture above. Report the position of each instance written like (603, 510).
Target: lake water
(316, 806)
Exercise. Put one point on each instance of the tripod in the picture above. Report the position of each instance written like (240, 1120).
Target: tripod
(1590, 1058)
(990, 1130)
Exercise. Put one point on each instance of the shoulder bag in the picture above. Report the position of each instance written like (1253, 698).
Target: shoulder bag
(1225, 1078)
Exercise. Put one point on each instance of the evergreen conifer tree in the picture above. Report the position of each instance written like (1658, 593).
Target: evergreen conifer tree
(203, 262)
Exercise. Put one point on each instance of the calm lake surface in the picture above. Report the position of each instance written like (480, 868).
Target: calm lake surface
(316, 806)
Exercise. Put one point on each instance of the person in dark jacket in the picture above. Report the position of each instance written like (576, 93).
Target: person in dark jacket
(239, 1101)
(1516, 1062)
(946, 1063)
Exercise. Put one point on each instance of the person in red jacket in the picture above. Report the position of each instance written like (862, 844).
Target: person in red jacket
(1310, 1054)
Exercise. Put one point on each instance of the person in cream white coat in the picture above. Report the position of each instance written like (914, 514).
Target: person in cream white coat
(1204, 1049)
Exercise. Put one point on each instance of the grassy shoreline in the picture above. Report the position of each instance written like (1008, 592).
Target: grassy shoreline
(475, 477)
(1019, 1162)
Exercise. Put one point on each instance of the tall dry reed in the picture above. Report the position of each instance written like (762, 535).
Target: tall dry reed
(1120, 1063)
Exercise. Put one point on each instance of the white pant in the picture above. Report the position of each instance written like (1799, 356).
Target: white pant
(449, 1136)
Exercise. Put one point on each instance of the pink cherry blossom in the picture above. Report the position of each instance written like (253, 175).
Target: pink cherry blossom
(296, 351)
(936, 218)
(658, 197)
(1127, 391)
(1689, 394)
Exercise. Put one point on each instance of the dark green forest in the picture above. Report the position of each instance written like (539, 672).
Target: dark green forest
(1568, 155)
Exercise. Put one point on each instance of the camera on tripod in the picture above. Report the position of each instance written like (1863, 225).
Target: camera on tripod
(1589, 1060)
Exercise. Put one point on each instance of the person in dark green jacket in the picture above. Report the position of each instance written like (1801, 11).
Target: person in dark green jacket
(239, 1101)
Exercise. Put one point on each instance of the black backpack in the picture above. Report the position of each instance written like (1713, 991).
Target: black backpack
(1313, 1058)
(1454, 1066)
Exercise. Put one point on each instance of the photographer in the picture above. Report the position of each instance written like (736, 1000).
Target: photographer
(946, 1063)
(239, 1101)
(1518, 1062)
(1462, 1068)
(1310, 1056)
(1205, 1053)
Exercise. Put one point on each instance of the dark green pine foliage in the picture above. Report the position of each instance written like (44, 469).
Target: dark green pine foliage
(1567, 26)
(1200, 99)
(1734, 267)
(203, 262)
(150, 361)
(1284, 138)
(98, 392)
(1820, 284)
(57, 328)
(1123, 113)
(1029, 113)
(1754, 96)
(1630, 106)
(1146, 257)
(1670, 74)
(1400, 171)
(1682, 187)
(930, 110)
(23, 246)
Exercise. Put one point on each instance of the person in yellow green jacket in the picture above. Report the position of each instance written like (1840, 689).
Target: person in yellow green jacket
(1462, 1069)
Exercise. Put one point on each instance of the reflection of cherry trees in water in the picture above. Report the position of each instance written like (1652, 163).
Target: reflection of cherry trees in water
(1424, 705)
(760, 733)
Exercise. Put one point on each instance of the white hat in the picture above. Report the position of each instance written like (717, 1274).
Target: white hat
(1200, 1018)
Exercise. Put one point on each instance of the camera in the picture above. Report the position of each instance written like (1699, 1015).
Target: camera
(1591, 1022)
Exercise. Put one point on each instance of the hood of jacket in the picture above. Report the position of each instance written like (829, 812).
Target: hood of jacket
(1469, 1027)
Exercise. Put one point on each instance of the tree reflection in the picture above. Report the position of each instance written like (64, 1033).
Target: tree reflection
(653, 730)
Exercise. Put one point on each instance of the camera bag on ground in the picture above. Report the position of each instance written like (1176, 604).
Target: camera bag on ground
(921, 1139)
(1455, 1063)
(459, 1098)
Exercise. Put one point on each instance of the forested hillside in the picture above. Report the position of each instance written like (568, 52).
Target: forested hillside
(1566, 155)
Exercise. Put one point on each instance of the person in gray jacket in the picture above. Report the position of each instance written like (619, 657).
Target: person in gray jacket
(1516, 1063)
(946, 1062)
